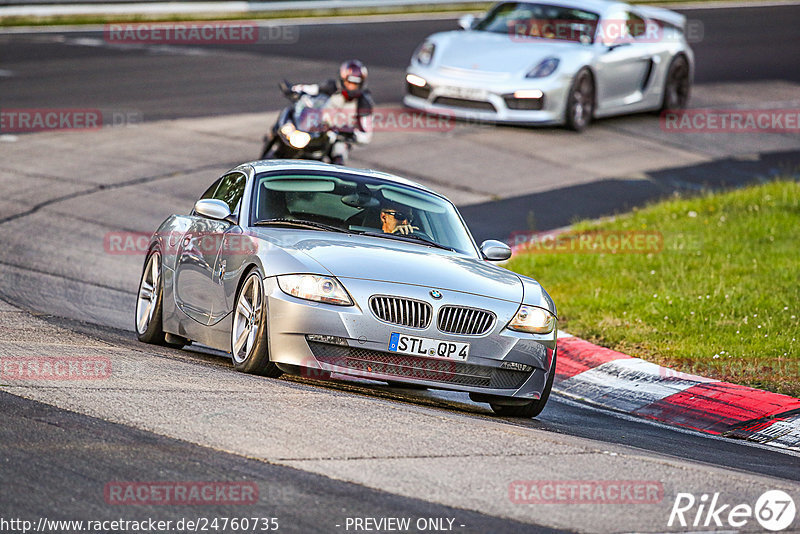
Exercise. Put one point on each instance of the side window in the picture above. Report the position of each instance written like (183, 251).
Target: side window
(230, 190)
(636, 25)
(210, 191)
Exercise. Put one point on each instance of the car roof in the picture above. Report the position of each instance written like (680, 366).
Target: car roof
(306, 165)
(597, 6)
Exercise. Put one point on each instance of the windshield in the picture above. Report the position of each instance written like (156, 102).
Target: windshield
(538, 21)
(308, 115)
(359, 204)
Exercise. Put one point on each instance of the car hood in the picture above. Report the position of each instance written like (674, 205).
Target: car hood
(483, 52)
(387, 260)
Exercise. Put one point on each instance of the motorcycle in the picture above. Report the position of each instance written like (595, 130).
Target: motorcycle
(300, 131)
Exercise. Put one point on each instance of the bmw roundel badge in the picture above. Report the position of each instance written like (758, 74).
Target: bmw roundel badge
(436, 294)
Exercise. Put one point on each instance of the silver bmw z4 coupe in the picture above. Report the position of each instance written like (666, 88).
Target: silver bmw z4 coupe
(311, 269)
(555, 62)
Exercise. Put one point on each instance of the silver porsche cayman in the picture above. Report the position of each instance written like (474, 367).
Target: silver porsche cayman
(554, 62)
(307, 268)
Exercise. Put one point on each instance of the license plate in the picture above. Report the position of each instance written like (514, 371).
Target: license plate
(469, 93)
(423, 346)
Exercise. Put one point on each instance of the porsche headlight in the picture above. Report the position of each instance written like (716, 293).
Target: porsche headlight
(425, 53)
(325, 289)
(533, 320)
(544, 68)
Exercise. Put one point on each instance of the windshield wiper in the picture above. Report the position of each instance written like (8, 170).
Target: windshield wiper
(409, 237)
(301, 222)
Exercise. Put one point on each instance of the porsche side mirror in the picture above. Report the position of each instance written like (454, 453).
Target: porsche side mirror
(494, 250)
(213, 209)
(466, 21)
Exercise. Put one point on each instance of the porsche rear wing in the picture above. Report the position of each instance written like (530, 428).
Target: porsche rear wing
(663, 15)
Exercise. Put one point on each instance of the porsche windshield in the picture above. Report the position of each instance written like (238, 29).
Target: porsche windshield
(522, 20)
(359, 204)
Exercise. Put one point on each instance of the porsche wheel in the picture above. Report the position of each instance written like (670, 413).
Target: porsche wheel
(580, 102)
(677, 87)
(533, 408)
(249, 344)
(148, 302)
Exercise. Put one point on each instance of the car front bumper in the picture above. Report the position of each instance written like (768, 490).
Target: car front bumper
(487, 100)
(355, 343)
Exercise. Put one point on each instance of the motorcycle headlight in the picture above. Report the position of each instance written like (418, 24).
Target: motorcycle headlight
(314, 287)
(533, 320)
(425, 53)
(299, 139)
(545, 68)
(287, 129)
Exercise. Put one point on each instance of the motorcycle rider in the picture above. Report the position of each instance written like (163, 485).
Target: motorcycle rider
(349, 105)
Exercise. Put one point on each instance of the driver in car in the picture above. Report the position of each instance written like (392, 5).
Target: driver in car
(396, 219)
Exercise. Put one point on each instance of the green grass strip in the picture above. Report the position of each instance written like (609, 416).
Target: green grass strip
(719, 297)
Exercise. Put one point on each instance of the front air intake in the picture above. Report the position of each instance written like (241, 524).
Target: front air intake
(401, 311)
(465, 321)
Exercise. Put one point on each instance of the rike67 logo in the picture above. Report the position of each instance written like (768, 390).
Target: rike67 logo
(774, 510)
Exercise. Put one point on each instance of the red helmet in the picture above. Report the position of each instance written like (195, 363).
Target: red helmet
(353, 71)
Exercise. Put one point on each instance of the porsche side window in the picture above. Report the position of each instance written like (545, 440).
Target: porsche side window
(636, 25)
(231, 190)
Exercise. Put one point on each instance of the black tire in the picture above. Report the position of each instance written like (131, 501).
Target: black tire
(580, 102)
(147, 315)
(677, 86)
(533, 408)
(250, 354)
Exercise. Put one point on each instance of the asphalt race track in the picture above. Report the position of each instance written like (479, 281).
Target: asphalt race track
(78, 69)
(323, 452)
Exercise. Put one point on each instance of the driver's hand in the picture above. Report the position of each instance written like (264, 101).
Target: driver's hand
(404, 229)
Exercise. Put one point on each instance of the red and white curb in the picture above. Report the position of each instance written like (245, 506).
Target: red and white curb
(614, 380)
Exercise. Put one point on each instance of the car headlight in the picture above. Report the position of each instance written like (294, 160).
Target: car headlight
(533, 320)
(325, 289)
(545, 68)
(413, 79)
(425, 53)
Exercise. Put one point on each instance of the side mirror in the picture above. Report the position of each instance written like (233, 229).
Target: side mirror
(494, 250)
(213, 209)
(466, 21)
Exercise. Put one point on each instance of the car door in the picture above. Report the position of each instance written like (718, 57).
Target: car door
(199, 269)
(625, 60)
